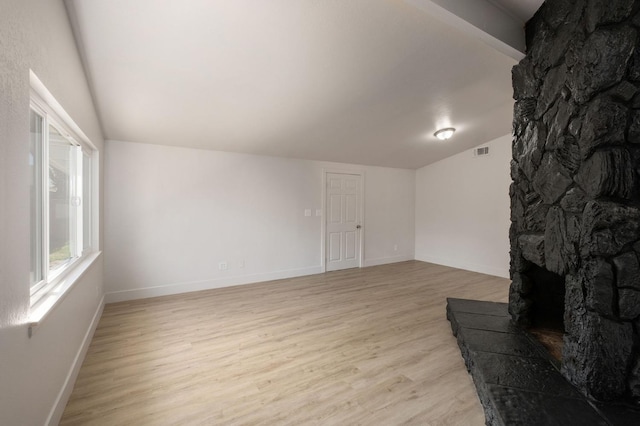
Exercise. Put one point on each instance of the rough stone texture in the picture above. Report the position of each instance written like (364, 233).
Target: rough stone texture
(602, 12)
(575, 306)
(623, 92)
(607, 227)
(520, 308)
(596, 355)
(532, 247)
(627, 269)
(602, 61)
(517, 262)
(568, 153)
(608, 215)
(561, 12)
(575, 127)
(558, 119)
(553, 84)
(597, 281)
(634, 381)
(574, 200)
(634, 128)
(525, 83)
(521, 283)
(528, 149)
(600, 243)
(559, 252)
(575, 197)
(574, 229)
(549, 36)
(604, 123)
(540, 39)
(551, 181)
(607, 173)
(629, 300)
(634, 65)
(517, 202)
(523, 111)
(536, 216)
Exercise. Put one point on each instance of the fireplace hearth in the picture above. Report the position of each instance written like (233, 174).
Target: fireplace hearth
(518, 382)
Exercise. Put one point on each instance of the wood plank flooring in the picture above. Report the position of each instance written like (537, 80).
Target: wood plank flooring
(367, 346)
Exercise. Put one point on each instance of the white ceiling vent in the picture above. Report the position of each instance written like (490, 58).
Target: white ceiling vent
(481, 152)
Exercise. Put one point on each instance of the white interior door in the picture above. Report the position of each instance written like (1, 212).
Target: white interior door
(343, 230)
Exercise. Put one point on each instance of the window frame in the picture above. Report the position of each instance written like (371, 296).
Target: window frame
(53, 115)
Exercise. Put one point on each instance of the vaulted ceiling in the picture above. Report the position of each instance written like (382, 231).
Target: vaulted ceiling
(356, 81)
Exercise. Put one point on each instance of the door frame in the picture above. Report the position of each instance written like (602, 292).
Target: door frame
(323, 238)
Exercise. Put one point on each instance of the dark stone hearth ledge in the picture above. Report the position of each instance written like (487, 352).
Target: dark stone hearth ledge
(518, 382)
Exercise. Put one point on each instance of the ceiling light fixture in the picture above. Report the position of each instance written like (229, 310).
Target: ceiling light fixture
(444, 134)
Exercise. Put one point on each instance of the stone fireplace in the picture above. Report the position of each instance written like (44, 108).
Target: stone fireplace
(575, 196)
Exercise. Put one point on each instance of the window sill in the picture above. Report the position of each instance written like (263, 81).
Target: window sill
(41, 310)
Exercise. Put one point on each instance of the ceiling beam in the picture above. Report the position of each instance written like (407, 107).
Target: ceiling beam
(480, 19)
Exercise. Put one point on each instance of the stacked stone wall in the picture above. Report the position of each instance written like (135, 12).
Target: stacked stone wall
(575, 196)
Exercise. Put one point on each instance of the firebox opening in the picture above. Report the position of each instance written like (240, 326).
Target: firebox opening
(548, 299)
(547, 320)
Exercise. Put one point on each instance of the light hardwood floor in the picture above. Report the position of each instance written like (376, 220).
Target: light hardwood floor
(367, 346)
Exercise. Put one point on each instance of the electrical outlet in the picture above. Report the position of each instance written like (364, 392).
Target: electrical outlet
(223, 266)
(318, 212)
(395, 247)
(241, 264)
(307, 212)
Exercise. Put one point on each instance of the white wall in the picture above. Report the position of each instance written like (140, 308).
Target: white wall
(462, 210)
(389, 215)
(36, 34)
(172, 214)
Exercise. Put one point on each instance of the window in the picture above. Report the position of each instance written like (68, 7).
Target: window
(61, 189)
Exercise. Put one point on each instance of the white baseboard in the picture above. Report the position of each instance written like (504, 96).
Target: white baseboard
(63, 396)
(165, 290)
(387, 260)
(456, 263)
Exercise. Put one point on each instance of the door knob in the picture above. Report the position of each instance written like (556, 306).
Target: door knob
(358, 226)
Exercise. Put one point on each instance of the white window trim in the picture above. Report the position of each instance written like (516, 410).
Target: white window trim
(49, 301)
(47, 295)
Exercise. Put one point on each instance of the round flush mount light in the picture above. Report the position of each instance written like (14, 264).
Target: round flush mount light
(444, 134)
